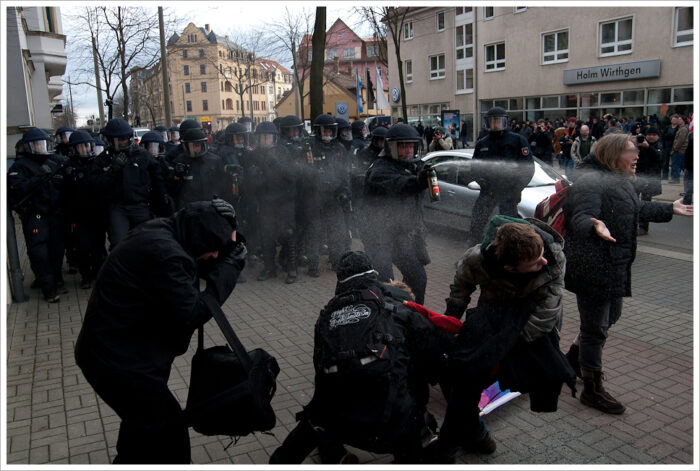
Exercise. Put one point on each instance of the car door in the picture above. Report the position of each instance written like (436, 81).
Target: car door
(445, 211)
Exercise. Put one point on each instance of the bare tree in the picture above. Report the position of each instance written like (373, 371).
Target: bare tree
(389, 21)
(288, 40)
(124, 39)
(148, 97)
(318, 56)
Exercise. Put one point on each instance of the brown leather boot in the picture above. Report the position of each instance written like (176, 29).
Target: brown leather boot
(594, 394)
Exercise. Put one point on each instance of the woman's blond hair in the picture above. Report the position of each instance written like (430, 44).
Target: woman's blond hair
(609, 148)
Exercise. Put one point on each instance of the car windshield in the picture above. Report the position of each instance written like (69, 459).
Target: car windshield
(141, 132)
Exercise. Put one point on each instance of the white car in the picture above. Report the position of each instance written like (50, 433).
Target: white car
(458, 195)
(138, 133)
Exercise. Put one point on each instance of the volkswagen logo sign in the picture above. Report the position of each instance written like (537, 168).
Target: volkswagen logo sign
(341, 108)
(395, 95)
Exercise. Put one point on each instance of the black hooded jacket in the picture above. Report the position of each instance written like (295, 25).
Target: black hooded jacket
(146, 302)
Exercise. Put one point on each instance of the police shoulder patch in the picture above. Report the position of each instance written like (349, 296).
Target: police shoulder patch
(525, 151)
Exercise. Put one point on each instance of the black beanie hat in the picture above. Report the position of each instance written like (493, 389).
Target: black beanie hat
(352, 264)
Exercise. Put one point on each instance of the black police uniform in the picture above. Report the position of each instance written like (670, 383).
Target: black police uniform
(128, 188)
(394, 230)
(28, 181)
(332, 174)
(141, 314)
(500, 186)
(198, 179)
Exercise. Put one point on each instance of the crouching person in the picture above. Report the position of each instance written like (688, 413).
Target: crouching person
(143, 310)
(512, 335)
(373, 361)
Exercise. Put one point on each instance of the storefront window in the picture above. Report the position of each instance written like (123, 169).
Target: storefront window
(550, 102)
(589, 99)
(515, 104)
(568, 101)
(659, 95)
(682, 94)
(633, 97)
(532, 103)
(610, 98)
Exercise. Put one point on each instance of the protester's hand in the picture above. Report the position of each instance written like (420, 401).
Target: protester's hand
(602, 230)
(682, 209)
(224, 209)
(222, 278)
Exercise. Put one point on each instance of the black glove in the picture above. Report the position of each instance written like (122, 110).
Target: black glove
(180, 169)
(57, 178)
(222, 278)
(225, 209)
(119, 161)
(233, 169)
(46, 169)
(423, 178)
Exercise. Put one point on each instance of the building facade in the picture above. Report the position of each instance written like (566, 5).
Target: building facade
(546, 62)
(36, 60)
(212, 80)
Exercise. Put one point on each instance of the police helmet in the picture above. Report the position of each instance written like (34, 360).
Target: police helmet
(247, 122)
(325, 128)
(174, 133)
(266, 135)
(154, 143)
(344, 130)
(378, 136)
(195, 142)
(403, 143)
(359, 129)
(83, 144)
(189, 124)
(163, 131)
(118, 134)
(63, 134)
(291, 127)
(233, 130)
(37, 142)
(496, 120)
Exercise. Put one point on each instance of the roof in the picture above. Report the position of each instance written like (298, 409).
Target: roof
(274, 65)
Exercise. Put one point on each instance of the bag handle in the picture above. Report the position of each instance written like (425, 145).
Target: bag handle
(227, 330)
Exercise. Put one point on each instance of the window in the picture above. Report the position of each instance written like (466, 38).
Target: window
(191, 38)
(332, 53)
(187, 70)
(463, 39)
(189, 105)
(519, 9)
(555, 47)
(409, 71)
(441, 21)
(201, 53)
(488, 13)
(462, 10)
(495, 56)
(683, 27)
(340, 35)
(465, 80)
(184, 53)
(437, 67)
(204, 87)
(348, 52)
(187, 87)
(202, 69)
(205, 105)
(372, 51)
(616, 37)
(408, 30)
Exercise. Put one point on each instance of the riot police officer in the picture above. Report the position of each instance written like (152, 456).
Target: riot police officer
(154, 143)
(179, 150)
(359, 136)
(173, 139)
(197, 173)
(34, 190)
(394, 231)
(510, 169)
(88, 215)
(369, 154)
(273, 183)
(163, 131)
(129, 177)
(62, 140)
(344, 133)
(332, 192)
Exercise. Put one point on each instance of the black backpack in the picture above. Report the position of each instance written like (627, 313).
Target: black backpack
(361, 370)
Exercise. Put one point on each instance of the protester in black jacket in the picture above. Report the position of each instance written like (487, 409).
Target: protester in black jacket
(602, 212)
(651, 155)
(34, 182)
(143, 310)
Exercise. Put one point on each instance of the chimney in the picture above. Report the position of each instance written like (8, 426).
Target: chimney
(207, 28)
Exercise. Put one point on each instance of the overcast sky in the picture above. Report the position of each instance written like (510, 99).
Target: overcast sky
(224, 17)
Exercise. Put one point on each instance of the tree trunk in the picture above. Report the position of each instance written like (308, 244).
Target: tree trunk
(318, 46)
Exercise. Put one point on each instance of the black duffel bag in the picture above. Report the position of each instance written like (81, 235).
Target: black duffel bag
(230, 390)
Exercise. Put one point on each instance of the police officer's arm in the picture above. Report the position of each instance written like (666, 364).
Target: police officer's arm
(387, 180)
(464, 283)
(21, 181)
(526, 163)
(157, 180)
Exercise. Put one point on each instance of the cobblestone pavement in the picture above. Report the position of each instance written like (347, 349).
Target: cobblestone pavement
(53, 415)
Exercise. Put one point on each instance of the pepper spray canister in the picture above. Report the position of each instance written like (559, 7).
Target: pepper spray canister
(433, 185)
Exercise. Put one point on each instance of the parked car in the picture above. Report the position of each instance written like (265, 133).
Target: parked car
(458, 192)
(138, 133)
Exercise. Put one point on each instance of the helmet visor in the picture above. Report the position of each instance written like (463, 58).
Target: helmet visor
(99, 150)
(405, 151)
(85, 149)
(265, 140)
(293, 133)
(346, 134)
(195, 149)
(248, 126)
(120, 143)
(327, 133)
(155, 148)
(39, 147)
(496, 123)
(174, 136)
(65, 136)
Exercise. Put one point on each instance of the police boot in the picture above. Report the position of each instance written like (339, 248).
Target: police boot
(572, 356)
(594, 394)
(313, 268)
(291, 261)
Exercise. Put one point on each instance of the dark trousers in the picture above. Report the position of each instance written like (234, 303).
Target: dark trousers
(152, 430)
(336, 230)
(90, 246)
(277, 224)
(44, 241)
(462, 424)
(677, 164)
(688, 186)
(68, 233)
(302, 440)
(597, 316)
(483, 208)
(123, 217)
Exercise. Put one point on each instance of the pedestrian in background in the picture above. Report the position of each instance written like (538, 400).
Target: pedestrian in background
(602, 214)
(648, 170)
(680, 144)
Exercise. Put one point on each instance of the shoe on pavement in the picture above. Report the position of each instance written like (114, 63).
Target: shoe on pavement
(594, 394)
(55, 299)
(266, 274)
(291, 277)
(61, 290)
(485, 446)
(313, 272)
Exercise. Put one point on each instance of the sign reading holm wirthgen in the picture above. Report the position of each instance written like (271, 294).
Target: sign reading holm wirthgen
(609, 73)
